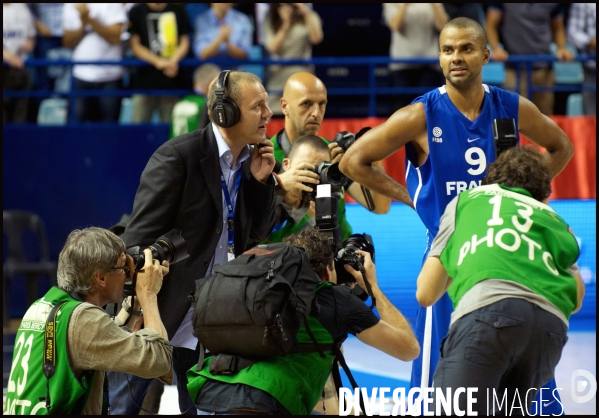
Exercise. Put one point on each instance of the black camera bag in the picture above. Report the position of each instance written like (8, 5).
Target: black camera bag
(254, 305)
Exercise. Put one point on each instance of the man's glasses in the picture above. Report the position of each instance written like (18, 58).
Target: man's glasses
(125, 268)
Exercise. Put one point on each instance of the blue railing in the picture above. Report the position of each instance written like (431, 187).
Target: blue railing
(371, 91)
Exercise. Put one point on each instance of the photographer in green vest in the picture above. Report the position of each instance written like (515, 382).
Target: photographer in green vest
(293, 384)
(508, 263)
(191, 112)
(66, 341)
(304, 104)
(295, 209)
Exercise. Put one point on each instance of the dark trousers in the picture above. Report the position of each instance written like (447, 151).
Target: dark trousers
(44, 44)
(183, 360)
(414, 77)
(510, 346)
(101, 108)
(15, 109)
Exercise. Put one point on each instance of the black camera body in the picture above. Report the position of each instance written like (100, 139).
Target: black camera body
(170, 247)
(347, 255)
(346, 139)
(328, 173)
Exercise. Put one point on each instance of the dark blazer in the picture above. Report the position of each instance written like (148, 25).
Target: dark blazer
(180, 188)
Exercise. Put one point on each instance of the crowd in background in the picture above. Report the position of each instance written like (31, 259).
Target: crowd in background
(162, 34)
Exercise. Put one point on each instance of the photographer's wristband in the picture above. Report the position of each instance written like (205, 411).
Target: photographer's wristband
(139, 313)
(130, 311)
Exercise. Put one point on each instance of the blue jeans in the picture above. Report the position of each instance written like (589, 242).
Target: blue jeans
(123, 402)
(127, 398)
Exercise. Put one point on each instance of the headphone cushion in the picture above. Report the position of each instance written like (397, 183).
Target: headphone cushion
(231, 113)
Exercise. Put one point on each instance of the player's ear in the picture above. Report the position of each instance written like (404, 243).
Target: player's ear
(486, 55)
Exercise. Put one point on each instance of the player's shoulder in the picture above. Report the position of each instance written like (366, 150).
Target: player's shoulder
(432, 97)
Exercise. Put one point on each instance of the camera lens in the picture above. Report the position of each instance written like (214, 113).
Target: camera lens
(332, 175)
(170, 247)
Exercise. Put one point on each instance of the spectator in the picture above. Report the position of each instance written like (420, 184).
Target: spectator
(260, 12)
(414, 34)
(222, 32)
(290, 30)
(473, 11)
(18, 40)
(159, 36)
(191, 112)
(48, 23)
(528, 29)
(582, 32)
(93, 30)
(193, 10)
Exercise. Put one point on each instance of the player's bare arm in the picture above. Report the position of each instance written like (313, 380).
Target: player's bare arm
(544, 132)
(406, 125)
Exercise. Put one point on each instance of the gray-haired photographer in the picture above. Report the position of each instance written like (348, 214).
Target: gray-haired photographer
(66, 341)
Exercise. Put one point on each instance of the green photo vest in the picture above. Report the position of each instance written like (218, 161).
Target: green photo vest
(295, 380)
(26, 388)
(503, 233)
(186, 115)
(290, 227)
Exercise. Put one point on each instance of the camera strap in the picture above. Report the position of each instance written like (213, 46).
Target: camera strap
(368, 197)
(368, 288)
(340, 361)
(230, 202)
(49, 366)
(284, 142)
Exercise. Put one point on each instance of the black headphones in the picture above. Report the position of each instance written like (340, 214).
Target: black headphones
(225, 112)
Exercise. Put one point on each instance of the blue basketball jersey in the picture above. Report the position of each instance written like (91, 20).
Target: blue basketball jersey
(460, 151)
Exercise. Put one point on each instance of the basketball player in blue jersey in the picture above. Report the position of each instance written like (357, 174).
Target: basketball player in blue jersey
(449, 145)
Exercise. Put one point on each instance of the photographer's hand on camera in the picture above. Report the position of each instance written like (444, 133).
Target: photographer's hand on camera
(149, 279)
(149, 282)
(294, 180)
(369, 272)
(336, 152)
(393, 335)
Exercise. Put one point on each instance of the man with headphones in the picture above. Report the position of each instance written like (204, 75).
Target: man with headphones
(216, 185)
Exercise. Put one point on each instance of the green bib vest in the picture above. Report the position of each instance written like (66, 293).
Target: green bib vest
(295, 380)
(503, 233)
(186, 114)
(26, 388)
(290, 227)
